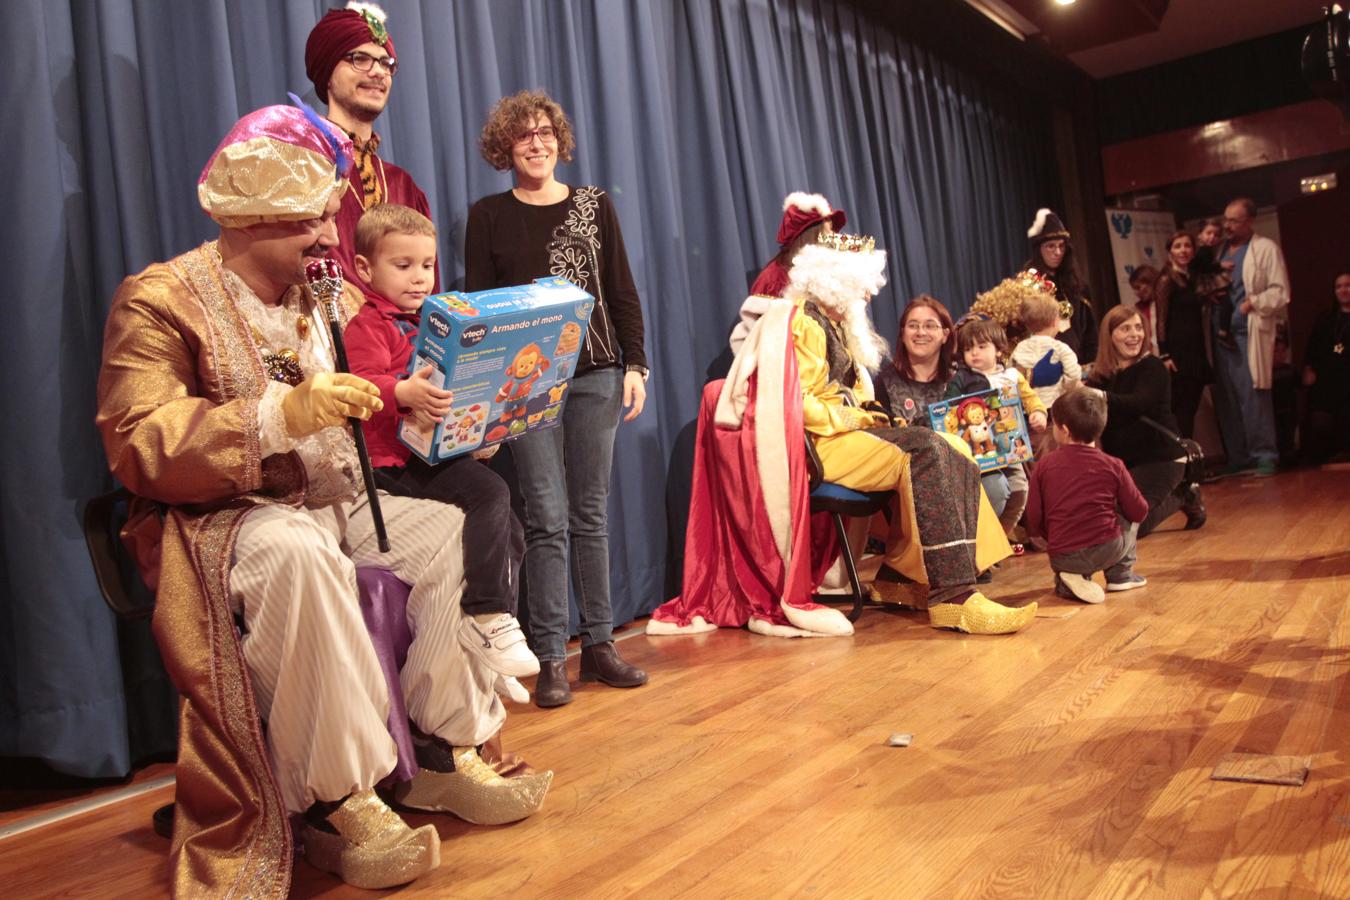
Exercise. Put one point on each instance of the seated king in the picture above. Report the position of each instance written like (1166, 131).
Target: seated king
(221, 411)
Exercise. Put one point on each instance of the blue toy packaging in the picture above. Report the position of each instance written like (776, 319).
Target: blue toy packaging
(507, 354)
(991, 422)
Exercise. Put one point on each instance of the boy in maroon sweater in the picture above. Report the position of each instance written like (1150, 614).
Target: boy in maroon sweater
(396, 259)
(1085, 504)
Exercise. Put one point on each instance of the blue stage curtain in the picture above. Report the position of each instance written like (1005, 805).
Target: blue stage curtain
(697, 116)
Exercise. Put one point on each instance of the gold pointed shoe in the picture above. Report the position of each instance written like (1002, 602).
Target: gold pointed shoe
(980, 615)
(372, 848)
(474, 792)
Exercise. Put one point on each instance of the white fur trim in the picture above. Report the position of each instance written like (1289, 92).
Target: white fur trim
(769, 629)
(809, 202)
(1039, 225)
(697, 625)
(824, 620)
(374, 9)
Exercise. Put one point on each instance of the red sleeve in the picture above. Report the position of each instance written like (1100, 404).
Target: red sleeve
(1132, 503)
(371, 355)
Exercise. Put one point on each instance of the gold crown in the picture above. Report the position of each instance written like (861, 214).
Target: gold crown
(849, 243)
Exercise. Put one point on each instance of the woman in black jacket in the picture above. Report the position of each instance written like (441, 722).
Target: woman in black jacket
(1181, 329)
(1052, 256)
(1140, 427)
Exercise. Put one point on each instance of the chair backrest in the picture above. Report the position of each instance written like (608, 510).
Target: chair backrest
(122, 587)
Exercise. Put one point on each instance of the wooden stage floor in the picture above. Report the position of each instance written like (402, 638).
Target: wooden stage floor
(1072, 760)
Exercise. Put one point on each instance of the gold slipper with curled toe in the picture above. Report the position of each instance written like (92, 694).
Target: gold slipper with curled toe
(369, 846)
(980, 615)
(474, 792)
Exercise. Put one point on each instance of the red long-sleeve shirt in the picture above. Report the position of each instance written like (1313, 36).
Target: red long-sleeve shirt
(1075, 496)
(379, 342)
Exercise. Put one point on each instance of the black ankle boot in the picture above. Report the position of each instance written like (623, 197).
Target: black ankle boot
(601, 662)
(1193, 506)
(552, 689)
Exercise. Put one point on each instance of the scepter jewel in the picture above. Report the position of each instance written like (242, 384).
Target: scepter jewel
(325, 283)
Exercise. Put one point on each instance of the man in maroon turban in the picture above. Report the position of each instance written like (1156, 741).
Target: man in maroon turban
(350, 58)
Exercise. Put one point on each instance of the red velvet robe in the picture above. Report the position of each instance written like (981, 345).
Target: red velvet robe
(733, 570)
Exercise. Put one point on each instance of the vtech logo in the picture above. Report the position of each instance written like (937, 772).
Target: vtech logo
(472, 335)
(440, 325)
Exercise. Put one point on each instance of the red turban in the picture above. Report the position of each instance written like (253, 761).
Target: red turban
(339, 32)
(801, 211)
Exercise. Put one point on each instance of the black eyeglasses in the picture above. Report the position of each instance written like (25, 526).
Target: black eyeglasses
(364, 62)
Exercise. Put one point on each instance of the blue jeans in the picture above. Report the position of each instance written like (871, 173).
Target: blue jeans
(1246, 415)
(995, 485)
(563, 473)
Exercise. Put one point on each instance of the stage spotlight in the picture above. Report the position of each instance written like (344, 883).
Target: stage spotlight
(1326, 58)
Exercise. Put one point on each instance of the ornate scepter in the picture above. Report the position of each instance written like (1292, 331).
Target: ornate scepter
(325, 283)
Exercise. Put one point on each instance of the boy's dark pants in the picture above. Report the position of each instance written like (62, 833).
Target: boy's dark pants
(494, 542)
(1114, 557)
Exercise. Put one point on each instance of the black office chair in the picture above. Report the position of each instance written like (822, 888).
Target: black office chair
(839, 501)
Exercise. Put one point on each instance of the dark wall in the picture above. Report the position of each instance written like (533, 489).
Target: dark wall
(1262, 73)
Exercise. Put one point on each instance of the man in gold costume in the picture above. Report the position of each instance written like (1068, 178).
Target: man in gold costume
(944, 531)
(221, 411)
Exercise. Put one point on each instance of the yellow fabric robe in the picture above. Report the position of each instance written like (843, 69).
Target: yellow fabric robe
(832, 415)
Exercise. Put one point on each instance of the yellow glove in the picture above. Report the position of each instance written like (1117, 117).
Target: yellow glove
(326, 400)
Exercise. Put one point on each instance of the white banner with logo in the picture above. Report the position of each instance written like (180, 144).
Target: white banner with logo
(1138, 238)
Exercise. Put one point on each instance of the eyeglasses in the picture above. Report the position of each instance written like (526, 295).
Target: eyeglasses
(364, 62)
(930, 325)
(546, 133)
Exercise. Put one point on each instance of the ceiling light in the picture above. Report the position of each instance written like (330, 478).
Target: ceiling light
(1064, 2)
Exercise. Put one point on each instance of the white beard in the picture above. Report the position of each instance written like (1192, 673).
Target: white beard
(865, 346)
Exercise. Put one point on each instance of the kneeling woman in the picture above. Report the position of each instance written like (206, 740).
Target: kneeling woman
(945, 532)
(1140, 426)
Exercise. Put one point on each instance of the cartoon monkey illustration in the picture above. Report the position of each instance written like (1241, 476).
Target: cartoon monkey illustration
(522, 372)
(976, 417)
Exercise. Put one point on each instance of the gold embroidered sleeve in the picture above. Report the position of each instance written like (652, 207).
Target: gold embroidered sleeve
(167, 434)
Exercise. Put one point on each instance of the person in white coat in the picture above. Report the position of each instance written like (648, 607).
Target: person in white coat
(1260, 299)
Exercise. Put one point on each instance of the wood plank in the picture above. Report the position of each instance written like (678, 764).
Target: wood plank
(1072, 760)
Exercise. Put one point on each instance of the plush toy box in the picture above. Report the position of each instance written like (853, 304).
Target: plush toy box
(507, 354)
(992, 424)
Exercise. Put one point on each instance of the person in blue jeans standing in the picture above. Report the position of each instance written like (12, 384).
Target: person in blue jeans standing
(1260, 297)
(539, 228)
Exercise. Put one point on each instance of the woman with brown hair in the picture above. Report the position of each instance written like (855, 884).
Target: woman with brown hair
(1181, 329)
(543, 227)
(1140, 428)
(925, 360)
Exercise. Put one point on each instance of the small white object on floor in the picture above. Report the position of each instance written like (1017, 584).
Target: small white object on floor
(900, 739)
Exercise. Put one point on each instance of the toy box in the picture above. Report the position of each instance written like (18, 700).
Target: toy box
(991, 422)
(507, 354)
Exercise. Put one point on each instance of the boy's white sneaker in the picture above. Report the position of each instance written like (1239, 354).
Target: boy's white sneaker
(1078, 587)
(500, 644)
(1136, 581)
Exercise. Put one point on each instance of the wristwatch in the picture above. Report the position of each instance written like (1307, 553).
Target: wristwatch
(641, 370)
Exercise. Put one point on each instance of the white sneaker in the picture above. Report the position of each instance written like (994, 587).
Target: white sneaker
(1136, 581)
(500, 644)
(1079, 587)
(509, 688)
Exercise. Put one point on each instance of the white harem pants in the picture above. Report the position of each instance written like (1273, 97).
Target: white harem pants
(314, 672)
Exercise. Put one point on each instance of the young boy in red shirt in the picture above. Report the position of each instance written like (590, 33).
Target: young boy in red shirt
(396, 261)
(1085, 504)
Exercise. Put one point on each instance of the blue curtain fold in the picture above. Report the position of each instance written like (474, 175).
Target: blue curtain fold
(697, 116)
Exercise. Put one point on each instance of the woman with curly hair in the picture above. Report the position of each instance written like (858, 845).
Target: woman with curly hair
(542, 227)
